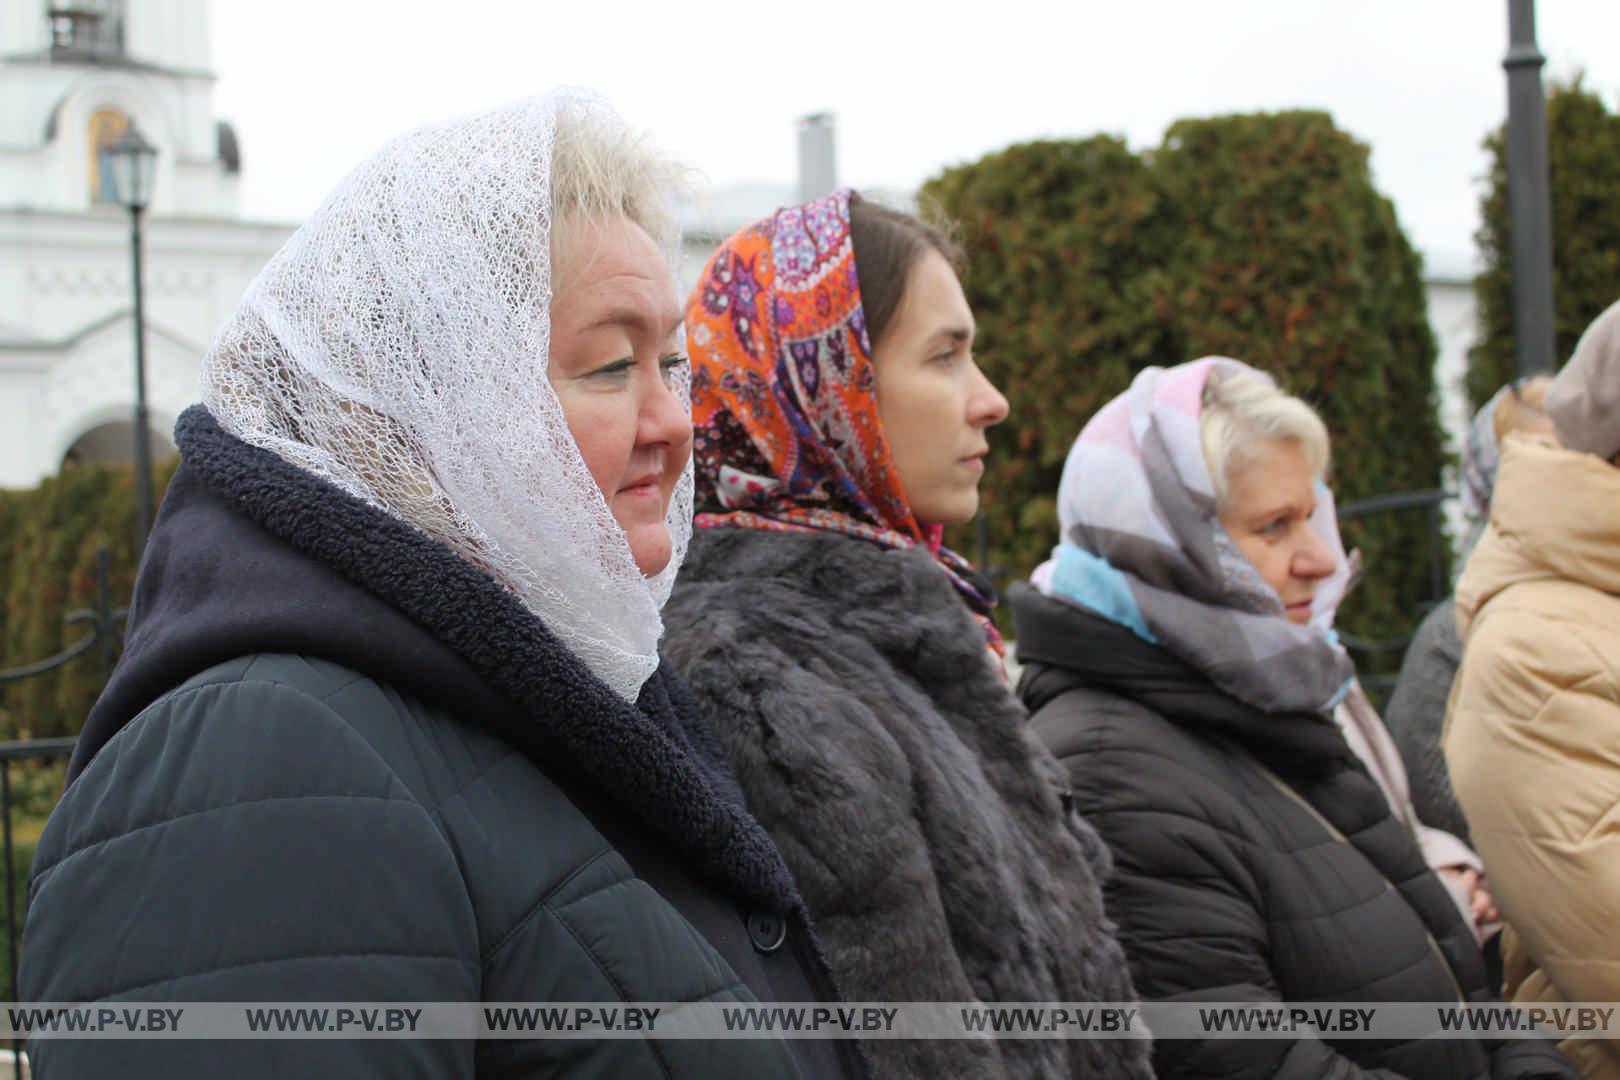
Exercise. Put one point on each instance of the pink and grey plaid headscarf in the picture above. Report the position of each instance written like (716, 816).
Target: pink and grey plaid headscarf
(1143, 545)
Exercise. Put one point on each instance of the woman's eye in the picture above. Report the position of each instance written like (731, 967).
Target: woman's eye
(669, 367)
(616, 370)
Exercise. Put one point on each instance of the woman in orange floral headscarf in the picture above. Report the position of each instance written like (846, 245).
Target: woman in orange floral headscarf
(839, 650)
(788, 429)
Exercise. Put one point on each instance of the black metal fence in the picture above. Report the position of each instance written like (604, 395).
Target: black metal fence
(1365, 650)
(32, 750)
(103, 624)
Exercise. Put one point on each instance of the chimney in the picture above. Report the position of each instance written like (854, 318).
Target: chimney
(818, 155)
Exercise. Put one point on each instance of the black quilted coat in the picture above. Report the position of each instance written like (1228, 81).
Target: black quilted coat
(1255, 860)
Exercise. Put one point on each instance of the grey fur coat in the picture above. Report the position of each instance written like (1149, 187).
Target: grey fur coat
(926, 829)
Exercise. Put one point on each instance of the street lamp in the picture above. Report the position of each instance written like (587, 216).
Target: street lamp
(1529, 198)
(130, 161)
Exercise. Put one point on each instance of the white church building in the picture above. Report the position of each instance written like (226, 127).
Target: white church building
(73, 75)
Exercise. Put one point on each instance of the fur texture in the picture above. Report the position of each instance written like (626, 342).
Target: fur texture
(927, 832)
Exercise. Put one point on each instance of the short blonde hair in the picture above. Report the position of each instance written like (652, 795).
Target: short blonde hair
(1242, 410)
(603, 168)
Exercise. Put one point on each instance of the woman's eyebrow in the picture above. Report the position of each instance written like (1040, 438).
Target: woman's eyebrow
(956, 335)
(1274, 510)
(639, 321)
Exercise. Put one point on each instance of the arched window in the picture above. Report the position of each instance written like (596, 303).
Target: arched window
(105, 126)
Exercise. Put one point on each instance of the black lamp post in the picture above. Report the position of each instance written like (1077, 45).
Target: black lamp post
(130, 167)
(1529, 198)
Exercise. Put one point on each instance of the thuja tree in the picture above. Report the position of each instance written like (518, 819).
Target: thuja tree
(1260, 237)
(1583, 165)
(1065, 254)
(48, 570)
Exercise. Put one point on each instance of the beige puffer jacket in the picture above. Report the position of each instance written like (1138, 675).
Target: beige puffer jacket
(1533, 727)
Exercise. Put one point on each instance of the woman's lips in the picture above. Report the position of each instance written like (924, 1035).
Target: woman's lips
(643, 488)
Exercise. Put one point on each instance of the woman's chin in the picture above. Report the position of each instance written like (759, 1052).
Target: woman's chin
(651, 548)
(957, 509)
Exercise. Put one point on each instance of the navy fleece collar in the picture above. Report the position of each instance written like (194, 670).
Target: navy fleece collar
(252, 554)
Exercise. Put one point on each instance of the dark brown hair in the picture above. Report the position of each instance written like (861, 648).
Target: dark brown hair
(887, 243)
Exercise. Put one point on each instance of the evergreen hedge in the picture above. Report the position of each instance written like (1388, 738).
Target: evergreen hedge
(52, 534)
(1583, 166)
(1260, 237)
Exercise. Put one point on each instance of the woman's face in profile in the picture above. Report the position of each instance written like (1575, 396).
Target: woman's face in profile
(615, 345)
(1267, 513)
(934, 402)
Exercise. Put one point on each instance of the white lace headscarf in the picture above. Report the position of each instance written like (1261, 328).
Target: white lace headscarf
(398, 346)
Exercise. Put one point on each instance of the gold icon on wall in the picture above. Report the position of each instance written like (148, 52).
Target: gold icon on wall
(105, 127)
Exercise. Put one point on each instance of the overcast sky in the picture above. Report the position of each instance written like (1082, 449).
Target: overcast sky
(313, 86)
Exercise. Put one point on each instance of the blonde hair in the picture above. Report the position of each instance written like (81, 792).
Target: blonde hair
(1244, 409)
(1523, 405)
(603, 168)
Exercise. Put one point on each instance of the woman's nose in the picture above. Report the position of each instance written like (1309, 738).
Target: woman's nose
(1313, 560)
(987, 406)
(665, 417)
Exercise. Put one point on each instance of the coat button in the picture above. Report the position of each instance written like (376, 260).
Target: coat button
(767, 931)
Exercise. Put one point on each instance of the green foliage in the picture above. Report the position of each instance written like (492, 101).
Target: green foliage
(1065, 257)
(1583, 167)
(36, 787)
(52, 534)
(1260, 237)
(22, 858)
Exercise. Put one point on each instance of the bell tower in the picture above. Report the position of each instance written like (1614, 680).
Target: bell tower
(75, 73)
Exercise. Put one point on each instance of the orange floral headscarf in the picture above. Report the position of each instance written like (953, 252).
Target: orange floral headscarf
(787, 435)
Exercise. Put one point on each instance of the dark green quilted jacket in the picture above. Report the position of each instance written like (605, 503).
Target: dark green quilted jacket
(338, 764)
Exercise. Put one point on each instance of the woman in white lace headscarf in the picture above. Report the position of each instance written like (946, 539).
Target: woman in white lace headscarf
(397, 347)
(391, 723)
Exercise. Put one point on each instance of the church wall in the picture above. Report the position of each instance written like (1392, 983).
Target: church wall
(22, 28)
(69, 286)
(170, 33)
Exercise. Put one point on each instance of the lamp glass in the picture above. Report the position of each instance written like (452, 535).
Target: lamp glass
(132, 162)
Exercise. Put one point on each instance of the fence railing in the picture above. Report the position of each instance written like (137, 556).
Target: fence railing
(1431, 502)
(102, 638)
(105, 622)
(11, 752)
